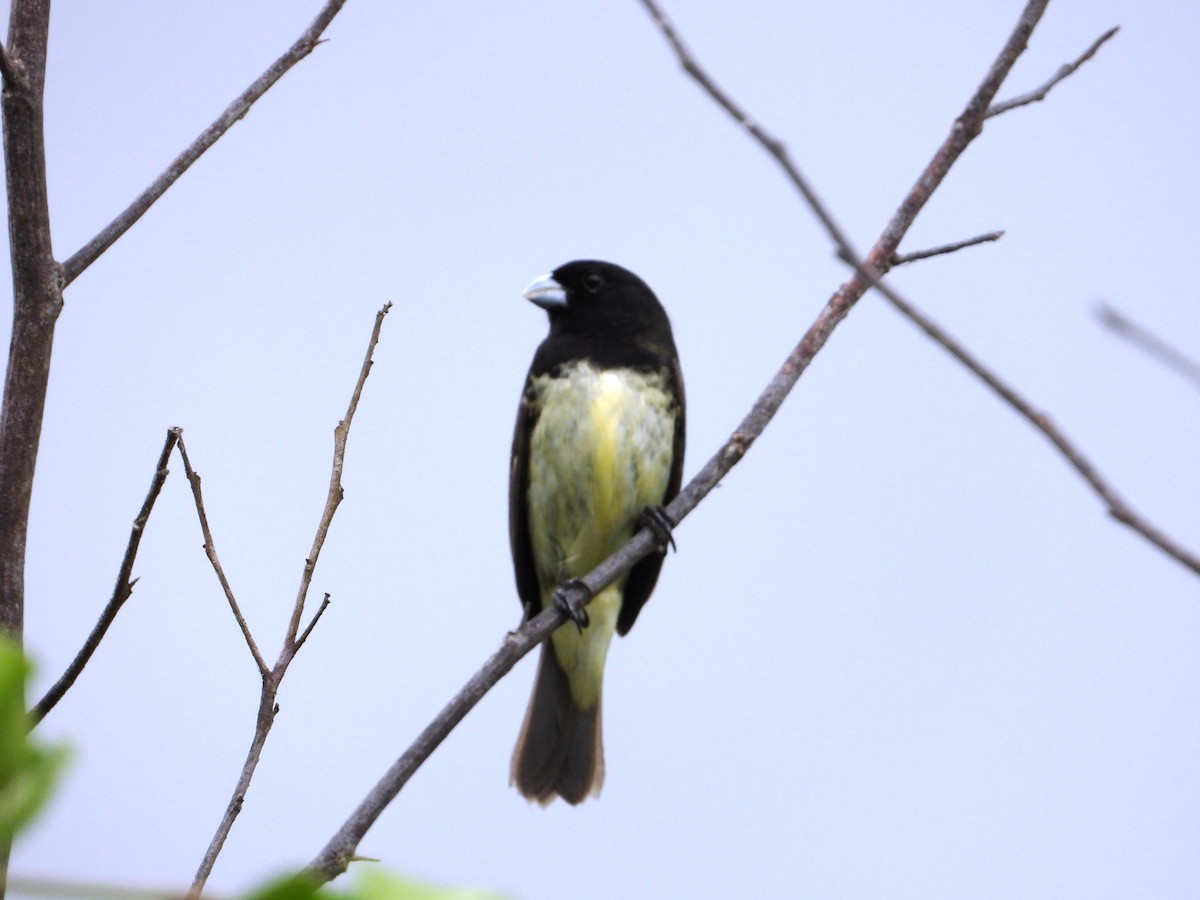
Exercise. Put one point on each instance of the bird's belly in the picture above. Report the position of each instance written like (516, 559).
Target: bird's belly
(599, 454)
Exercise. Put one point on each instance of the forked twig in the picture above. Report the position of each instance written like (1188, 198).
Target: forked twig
(292, 642)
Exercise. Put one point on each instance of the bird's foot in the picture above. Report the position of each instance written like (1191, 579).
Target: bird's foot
(655, 518)
(570, 598)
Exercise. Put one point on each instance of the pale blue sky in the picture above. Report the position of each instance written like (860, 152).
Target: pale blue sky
(901, 652)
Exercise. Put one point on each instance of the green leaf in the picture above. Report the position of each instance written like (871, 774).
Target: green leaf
(289, 887)
(28, 769)
(378, 885)
(369, 885)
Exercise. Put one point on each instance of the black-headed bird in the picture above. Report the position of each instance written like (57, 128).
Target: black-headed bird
(598, 449)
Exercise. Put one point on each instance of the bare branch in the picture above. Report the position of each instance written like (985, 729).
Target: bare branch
(340, 850)
(210, 550)
(1064, 72)
(1152, 344)
(870, 272)
(121, 592)
(1118, 508)
(267, 707)
(303, 46)
(900, 259)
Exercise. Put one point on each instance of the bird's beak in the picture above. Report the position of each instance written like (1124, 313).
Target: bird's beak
(546, 293)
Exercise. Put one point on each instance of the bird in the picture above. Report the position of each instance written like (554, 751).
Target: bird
(597, 452)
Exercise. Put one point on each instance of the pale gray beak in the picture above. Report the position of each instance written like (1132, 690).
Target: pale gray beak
(546, 293)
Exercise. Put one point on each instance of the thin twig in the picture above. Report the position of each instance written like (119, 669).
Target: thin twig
(210, 550)
(900, 259)
(304, 45)
(313, 624)
(121, 592)
(340, 850)
(1040, 94)
(267, 707)
(1152, 344)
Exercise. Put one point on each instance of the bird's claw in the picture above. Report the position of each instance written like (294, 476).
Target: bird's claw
(570, 598)
(655, 519)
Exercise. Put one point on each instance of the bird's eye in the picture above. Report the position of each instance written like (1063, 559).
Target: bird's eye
(593, 281)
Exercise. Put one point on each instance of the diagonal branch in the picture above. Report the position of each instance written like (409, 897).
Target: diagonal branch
(121, 592)
(1118, 508)
(304, 45)
(210, 550)
(337, 854)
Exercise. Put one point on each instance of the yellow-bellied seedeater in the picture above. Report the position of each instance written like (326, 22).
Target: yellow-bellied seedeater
(598, 449)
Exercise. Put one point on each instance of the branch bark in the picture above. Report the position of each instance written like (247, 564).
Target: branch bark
(337, 854)
(37, 299)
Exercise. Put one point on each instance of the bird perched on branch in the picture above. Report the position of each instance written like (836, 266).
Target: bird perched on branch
(598, 449)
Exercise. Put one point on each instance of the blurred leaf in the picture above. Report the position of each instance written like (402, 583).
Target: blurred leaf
(28, 769)
(289, 887)
(369, 885)
(378, 885)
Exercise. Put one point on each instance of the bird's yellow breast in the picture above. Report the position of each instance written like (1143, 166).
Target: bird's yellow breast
(600, 453)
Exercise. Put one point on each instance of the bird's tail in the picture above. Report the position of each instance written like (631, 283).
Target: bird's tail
(560, 751)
